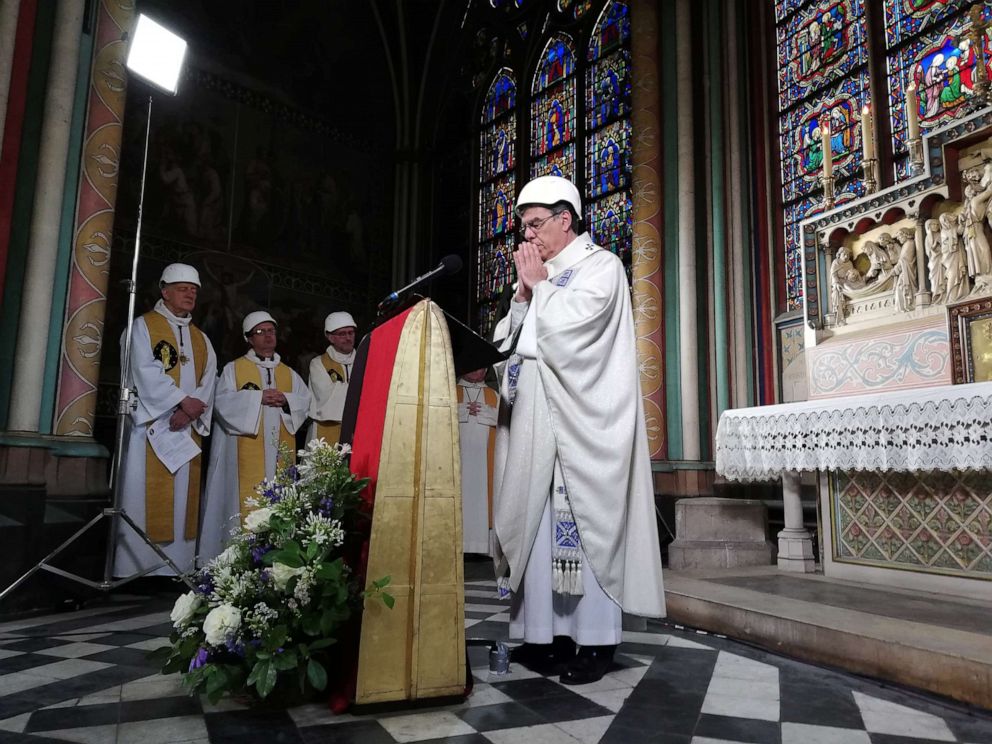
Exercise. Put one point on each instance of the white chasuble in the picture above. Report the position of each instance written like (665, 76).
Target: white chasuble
(240, 415)
(158, 396)
(329, 376)
(570, 398)
(477, 411)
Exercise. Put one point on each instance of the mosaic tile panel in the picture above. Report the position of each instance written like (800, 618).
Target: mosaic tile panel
(927, 522)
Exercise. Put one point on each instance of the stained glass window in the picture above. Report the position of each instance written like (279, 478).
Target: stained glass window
(927, 45)
(823, 80)
(577, 111)
(607, 115)
(497, 193)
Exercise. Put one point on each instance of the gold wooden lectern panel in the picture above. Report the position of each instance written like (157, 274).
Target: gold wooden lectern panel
(417, 649)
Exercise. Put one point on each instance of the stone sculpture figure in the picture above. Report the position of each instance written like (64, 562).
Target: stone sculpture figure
(977, 194)
(843, 276)
(904, 271)
(935, 265)
(956, 286)
(881, 263)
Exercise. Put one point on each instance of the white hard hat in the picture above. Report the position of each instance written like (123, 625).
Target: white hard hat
(548, 191)
(337, 320)
(253, 319)
(179, 272)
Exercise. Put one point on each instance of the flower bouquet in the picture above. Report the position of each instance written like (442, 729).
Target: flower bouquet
(265, 612)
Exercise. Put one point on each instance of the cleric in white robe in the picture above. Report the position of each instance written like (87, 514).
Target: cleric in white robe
(330, 374)
(574, 497)
(260, 402)
(173, 370)
(478, 405)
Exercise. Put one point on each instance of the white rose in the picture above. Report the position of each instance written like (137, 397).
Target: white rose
(258, 520)
(228, 557)
(221, 623)
(184, 608)
(281, 574)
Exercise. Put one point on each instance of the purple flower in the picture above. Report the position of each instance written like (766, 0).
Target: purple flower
(266, 575)
(326, 506)
(201, 658)
(235, 648)
(293, 473)
(258, 551)
(205, 583)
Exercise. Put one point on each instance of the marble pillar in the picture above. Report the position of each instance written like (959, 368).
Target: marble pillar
(687, 69)
(8, 31)
(43, 241)
(648, 281)
(795, 545)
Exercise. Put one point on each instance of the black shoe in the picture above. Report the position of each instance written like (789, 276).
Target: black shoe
(545, 658)
(589, 665)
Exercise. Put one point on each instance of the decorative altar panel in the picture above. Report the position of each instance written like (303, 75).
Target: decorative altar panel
(939, 522)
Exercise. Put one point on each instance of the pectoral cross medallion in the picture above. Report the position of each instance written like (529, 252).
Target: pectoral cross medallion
(183, 359)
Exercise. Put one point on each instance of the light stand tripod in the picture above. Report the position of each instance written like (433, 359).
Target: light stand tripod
(173, 52)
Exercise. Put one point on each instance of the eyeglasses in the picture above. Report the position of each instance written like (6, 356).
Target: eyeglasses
(536, 225)
(340, 334)
(264, 332)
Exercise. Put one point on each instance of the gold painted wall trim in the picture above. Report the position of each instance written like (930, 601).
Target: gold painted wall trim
(417, 649)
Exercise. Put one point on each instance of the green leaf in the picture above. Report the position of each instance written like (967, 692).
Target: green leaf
(267, 681)
(159, 656)
(322, 643)
(257, 671)
(388, 600)
(285, 661)
(276, 637)
(316, 674)
(217, 680)
(312, 550)
(311, 624)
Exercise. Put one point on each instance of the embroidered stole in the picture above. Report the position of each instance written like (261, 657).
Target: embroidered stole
(490, 398)
(159, 482)
(251, 447)
(331, 430)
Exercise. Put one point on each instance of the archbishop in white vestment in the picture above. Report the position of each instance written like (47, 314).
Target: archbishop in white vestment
(330, 374)
(478, 405)
(574, 497)
(173, 371)
(259, 403)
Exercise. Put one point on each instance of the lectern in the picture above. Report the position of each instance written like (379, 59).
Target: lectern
(402, 421)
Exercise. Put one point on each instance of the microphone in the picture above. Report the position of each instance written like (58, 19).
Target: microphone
(450, 264)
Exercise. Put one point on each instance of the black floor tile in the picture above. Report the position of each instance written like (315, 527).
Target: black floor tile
(75, 687)
(11, 737)
(572, 707)
(134, 657)
(166, 707)
(738, 729)
(477, 615)
(77, 716)
(463, 739)
(970, 728)
(126, 639)
(621, 734)
(499, 716)
(893, 739)
(819, 701)
(25, 661)
(357, 732)
(250, 726)
(529, 689)
(33, 643)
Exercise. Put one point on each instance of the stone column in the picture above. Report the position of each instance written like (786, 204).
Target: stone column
(8, 31)
(795, 545)
(86, 305)
(647, 197)
(688, 67)
(43, 242)
(923, 297)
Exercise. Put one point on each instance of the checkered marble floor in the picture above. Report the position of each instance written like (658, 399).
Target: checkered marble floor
(83, 677)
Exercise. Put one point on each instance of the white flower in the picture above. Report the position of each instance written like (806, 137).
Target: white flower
(184, 608)
(281, 574)
(258, 520)
(228, 557)
(221, 623)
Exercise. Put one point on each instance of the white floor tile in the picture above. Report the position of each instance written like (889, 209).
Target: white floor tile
(88, 735)
(159, 686)
(493, 608)
(150, 645)
(486, 695)
(469, 622)
(883, 717)
(676, 642)
(67, 668)
(732, 665)
(654, 639)
(420, 726)
(609, 699)
(631, 676)
(708, 740)
(743, 688)
(163, 730)
(546, 734)
(110, 695)
(741, 707)
(801, 733)
(75, 650)
(588, 730)
(15, 723)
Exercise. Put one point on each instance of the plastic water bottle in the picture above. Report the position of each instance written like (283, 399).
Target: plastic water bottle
(499, 659)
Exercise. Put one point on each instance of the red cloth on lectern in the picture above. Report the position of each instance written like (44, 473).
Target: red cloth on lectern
(366, 445)
(366, 449)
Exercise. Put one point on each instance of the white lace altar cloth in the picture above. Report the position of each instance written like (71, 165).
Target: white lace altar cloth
(939, 428)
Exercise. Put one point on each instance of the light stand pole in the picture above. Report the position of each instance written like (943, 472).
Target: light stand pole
(157, 55)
